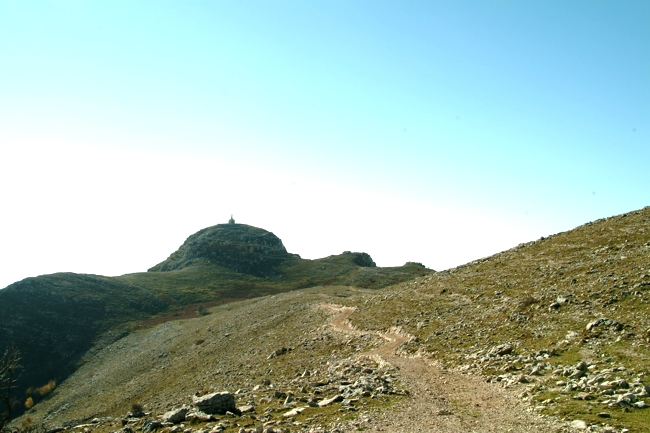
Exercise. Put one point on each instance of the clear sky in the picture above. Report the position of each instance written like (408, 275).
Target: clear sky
(430, 131)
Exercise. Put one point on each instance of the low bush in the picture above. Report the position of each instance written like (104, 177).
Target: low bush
(46, 389)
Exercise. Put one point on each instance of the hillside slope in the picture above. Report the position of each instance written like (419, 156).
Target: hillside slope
(559, 325)
(567, 316)
(55, 319)
(240, 348)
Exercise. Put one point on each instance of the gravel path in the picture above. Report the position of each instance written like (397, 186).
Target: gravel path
(443, 400)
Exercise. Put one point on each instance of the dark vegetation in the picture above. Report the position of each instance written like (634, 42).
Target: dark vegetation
(9, 371)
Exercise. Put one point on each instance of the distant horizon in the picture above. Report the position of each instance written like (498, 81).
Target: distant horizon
(342, 252)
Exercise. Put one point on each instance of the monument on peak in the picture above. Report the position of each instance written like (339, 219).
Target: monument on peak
(231, 220)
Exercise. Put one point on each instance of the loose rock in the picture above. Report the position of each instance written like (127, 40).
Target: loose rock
(329, 401)
(217, 402)
(175, 415)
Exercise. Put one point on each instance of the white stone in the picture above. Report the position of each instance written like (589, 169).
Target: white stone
(295, 411)
(578, 424)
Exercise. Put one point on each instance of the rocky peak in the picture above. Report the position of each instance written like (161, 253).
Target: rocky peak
(238, 247)
(360, 259)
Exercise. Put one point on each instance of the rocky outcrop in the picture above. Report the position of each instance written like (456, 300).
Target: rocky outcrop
(239, 247)
(604, 322)
(360, 259)
(175, 416)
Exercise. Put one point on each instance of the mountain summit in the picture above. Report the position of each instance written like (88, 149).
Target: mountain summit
(238, 247)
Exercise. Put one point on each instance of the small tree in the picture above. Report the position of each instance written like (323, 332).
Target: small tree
(9, 366)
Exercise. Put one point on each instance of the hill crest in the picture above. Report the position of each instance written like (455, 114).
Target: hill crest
(239, 247)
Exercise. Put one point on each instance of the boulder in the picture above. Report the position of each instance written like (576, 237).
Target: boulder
(216, 402)
(151, 425)
(329, 401)
(578, 424)
(294, 411)
(175, 415)
(197, 416)
(500, 350)
(247, 408)
(278, 352)
(603, 321)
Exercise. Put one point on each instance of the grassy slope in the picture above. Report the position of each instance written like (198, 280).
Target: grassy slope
(598, 270)
(206, 282)
(601, 269)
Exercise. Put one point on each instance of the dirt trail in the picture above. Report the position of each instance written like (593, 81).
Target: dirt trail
(442, 400)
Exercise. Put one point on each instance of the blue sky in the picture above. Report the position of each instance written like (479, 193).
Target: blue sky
(438, 132)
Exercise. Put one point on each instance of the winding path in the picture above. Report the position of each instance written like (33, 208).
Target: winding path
(442, 400)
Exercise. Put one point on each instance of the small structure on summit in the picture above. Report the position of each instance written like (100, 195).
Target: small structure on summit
(231, 220)
(238, 247)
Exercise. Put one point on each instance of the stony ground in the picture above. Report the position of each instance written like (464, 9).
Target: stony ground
(265, 349)
(441, 400)
(162, 368)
